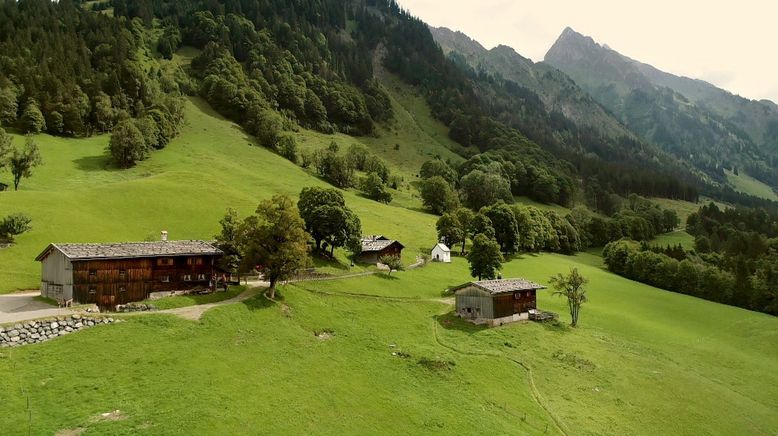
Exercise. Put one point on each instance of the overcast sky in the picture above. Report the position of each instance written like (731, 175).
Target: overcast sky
(732, 44)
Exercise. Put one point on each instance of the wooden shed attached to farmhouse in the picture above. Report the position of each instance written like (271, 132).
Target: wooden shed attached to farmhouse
(496, 302)
(119, 273)
(375, 246)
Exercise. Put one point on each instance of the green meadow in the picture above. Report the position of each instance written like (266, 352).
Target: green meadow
(78, 196)
(372, 354)
(749, 185)
(384, 355)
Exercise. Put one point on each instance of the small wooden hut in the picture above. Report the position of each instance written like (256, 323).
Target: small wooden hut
(496, 302)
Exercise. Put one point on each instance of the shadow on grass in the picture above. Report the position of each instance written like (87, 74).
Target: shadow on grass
(259, 301)
(450, 321)
(385, 276)
(95, 163)
(320, 261)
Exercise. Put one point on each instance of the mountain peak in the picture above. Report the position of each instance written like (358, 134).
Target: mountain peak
(570, 43)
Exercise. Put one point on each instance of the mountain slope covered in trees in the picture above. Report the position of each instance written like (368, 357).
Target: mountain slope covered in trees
(702, 125)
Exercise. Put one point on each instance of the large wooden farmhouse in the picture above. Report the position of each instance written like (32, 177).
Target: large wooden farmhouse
(112, 274)
(373, 247)
(496, 302)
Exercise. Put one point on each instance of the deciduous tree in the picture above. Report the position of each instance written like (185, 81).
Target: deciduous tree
(274, 239)
(571, 286)
(484, 257)
(22, 161)
(127, 144)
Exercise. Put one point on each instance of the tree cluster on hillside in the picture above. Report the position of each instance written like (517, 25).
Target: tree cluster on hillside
(341, 169)
(259, 56)
(329, 220)
(526, 228)
(734, 262)
(67, 71)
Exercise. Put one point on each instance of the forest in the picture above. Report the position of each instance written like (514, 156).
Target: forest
(734, 261)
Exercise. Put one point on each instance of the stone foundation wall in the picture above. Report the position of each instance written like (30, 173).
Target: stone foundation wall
(32, 332)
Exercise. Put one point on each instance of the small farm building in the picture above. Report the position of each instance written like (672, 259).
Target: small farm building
(441, 253)
(496, 302)
(375, 246)
(119, 273)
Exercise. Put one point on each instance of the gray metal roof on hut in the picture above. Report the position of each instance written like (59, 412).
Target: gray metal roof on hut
(127, 250)
(501, 286)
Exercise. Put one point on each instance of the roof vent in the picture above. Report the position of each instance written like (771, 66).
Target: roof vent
(163, 235)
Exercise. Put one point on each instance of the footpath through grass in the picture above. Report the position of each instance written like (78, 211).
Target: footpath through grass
(326, 361)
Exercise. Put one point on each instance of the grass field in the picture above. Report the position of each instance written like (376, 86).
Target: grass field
(367, 355)
(77, 196)
(674, 238)
(195, 300)
(749, 185)
(643, 361)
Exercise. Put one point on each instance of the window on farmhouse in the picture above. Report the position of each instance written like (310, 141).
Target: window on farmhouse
(194, 261)
(165, 279)
(93, 291)
(122, 273)
(200, 276)
(122, 289)
(165, 261)
(187, 277)
(92, 273)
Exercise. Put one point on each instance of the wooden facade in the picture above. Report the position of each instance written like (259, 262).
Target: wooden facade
(120, 281)
(496, 301)
(374, 247)
(76, 273)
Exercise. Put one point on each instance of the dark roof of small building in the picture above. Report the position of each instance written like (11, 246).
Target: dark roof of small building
(501, 286)
(377, 243)
(126, 250)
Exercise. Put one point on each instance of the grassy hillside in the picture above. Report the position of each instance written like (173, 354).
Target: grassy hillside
(643, 361)
(76, 196)
(749, 185)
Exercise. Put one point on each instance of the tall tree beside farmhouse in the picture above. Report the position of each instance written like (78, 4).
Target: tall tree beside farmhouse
(23, 160)
(228, 241)
(485, 258)
(274, 239)
(127, 144)
(328, 219)
(571, 286)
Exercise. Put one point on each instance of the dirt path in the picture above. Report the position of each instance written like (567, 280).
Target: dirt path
(23, 306)
(536, 396)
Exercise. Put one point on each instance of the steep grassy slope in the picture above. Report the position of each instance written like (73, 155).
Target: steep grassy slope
(639, 355)
(643, 361)
(749, 185)
(76, 196)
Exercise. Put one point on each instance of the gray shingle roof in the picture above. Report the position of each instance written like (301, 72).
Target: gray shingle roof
(501, 286)
(124, 250)
(376, 243)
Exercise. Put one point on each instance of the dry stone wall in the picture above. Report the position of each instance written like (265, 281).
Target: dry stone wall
(32, 332)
